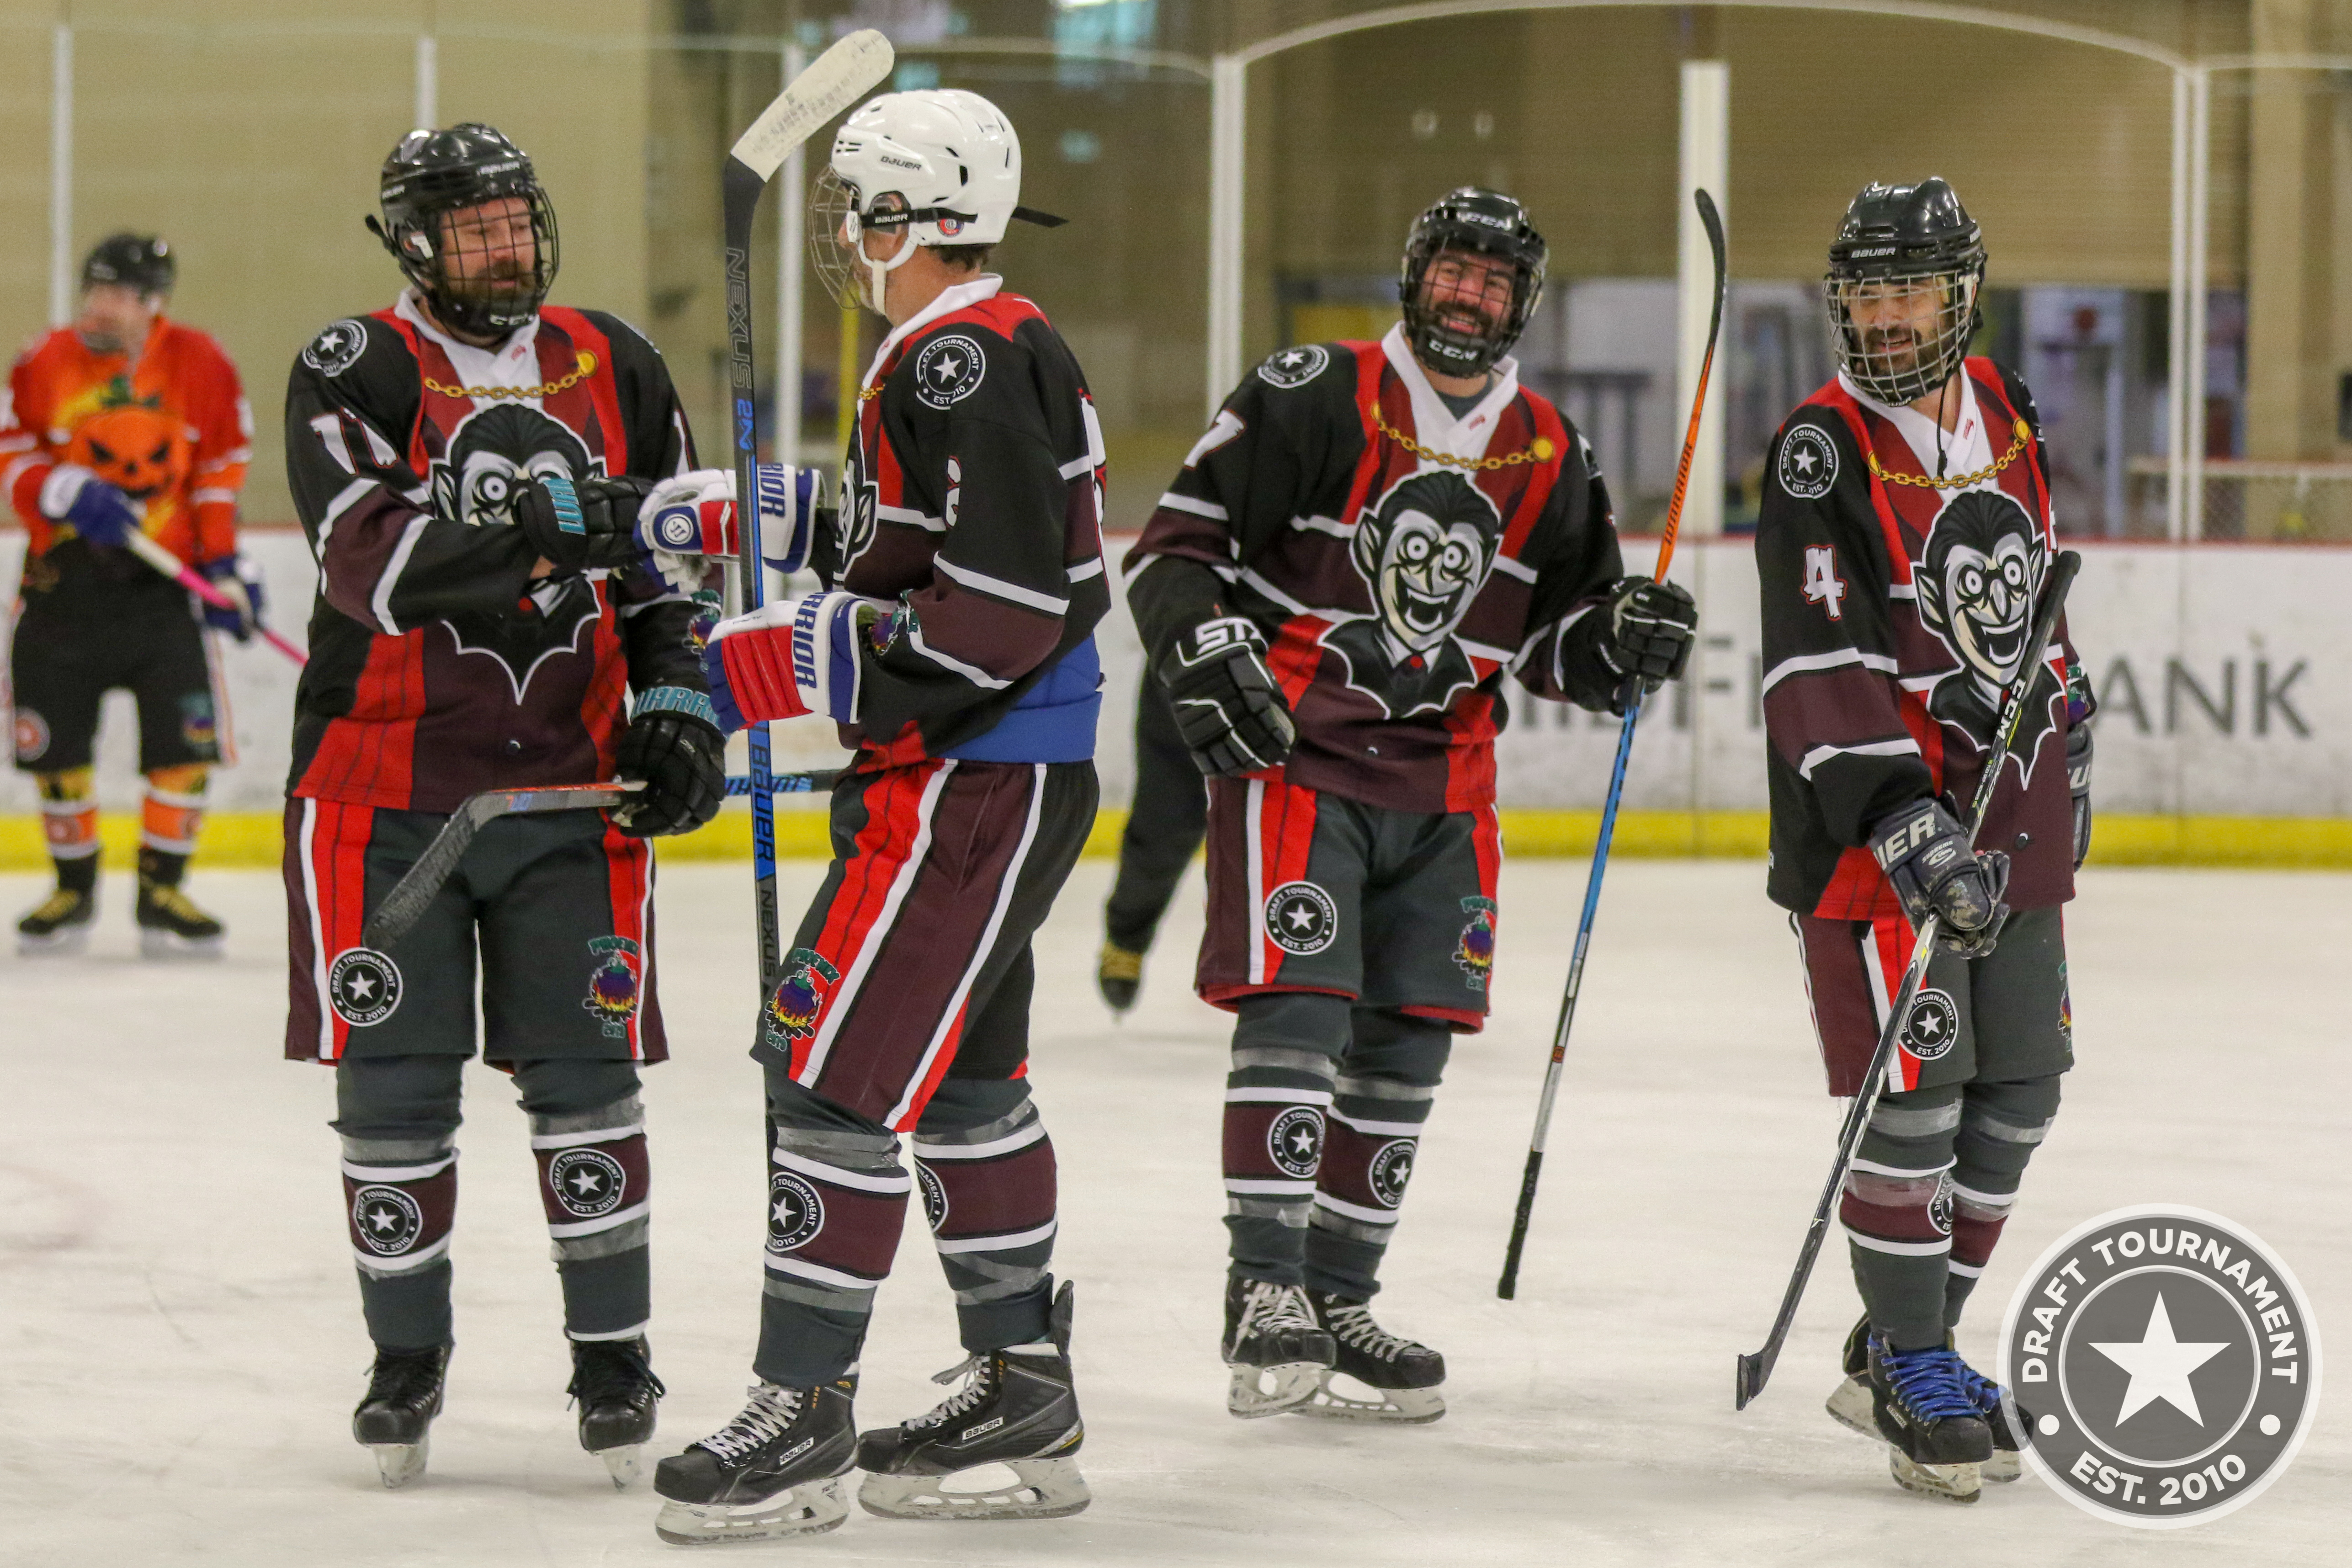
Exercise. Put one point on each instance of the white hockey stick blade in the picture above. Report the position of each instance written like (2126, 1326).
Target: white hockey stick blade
(834, 82)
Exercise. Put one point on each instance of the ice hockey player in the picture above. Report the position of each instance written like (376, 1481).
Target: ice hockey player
(470, 464)
(1368, 537)
(1166, 819)
(953, 642)
(122, 422)
(1904, 539)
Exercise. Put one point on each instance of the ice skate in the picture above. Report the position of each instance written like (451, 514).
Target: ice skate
(1850, 1406)
(1403, 1374)
(1920, 1405)
(1018, 1409)
(2010, 1436)
(1279, 1353)
(1118, 975)
(774, 1471)
(395, 1419)
(170, 926)
(59, 924)
(613, 1383)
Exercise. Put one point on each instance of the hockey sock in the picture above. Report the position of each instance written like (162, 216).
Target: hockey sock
(69, 822)
(837, 1201)
(1275, 1097)
(2002, 1124)
(169, 820)
(1387, 1081)
(1897, 1213)
(986, 1170)
(401, 1197)
(595, 1185)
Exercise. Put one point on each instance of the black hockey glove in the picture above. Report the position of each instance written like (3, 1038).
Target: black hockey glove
(1650, 628)
(582, 525)
(2078, 787)
(1232, 715)
(682, 758)
(1925, 853)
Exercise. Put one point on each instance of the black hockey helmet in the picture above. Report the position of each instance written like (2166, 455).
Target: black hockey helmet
(1894, 236)
(434, 172)
(140, 261)
(1484, 223)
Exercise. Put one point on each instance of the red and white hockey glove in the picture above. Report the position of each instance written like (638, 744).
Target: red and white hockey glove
(788, 658)
(691, 518)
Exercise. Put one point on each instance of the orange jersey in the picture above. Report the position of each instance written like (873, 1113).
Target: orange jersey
(171, 430)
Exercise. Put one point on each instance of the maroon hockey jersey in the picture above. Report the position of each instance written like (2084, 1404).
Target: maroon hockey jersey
(438, 666)
(1399, 558)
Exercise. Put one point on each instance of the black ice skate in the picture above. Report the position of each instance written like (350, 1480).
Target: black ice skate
(1403, 1374)
(1921, 1405)
(1118, 975)
(394, 1420)
(172, 927)
(1276, 1349)
(774, 1471)
(1018, 1409)
(59, 924)
(1850, 1406)
(614, 1386)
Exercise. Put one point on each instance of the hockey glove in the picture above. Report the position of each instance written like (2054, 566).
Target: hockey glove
(240, 578)
(1650, 628)
(2078, 787)
(1233, 717)
(1923, 851)
(690, 517)
(673, 744)
(75, 495)
(582, 525)
(791, 657)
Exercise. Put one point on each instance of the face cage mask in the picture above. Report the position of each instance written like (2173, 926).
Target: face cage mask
(1897, 376)
(465, 299)
(1449, 351)
(837, 248)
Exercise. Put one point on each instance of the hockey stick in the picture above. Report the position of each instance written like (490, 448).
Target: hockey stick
(1507, 1287)
(1755, 1370)
(834, 81)
(164, 561)
(420, 883)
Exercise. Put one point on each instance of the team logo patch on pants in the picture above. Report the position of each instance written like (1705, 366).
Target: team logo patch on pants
(800, 997)
(362, 987)
(32, 733)
(1932, 1028)
(1475, 952)
(1300, 918)
(612, 985)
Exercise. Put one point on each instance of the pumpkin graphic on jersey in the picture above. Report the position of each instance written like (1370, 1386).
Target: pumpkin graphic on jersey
(143, 452)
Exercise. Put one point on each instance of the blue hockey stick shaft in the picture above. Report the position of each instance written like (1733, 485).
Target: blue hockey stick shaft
(786, 783)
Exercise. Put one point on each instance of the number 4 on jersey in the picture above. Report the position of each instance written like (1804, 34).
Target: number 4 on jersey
(1823, 587)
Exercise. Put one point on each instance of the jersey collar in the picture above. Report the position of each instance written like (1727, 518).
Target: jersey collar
(954, 298)
(1434, 424)
(514, 362)
(1965, 450)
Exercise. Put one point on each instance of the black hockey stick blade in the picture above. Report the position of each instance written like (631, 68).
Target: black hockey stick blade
(416, 889)
(1755, 1370)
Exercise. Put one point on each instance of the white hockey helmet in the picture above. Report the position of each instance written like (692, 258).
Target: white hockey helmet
(941, 165)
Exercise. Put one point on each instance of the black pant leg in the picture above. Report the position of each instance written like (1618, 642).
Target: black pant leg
(1165, 824)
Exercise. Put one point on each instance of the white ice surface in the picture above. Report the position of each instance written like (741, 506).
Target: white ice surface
(181, 1345)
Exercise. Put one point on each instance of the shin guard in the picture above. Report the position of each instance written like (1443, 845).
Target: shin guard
(1278, 1097)
(401, 1198)
(596, 1188)
(1388, 1079)
(1897, 1213)
(837, 1202)
(989, 1191)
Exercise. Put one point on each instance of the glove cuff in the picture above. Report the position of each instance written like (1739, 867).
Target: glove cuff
(676, 700)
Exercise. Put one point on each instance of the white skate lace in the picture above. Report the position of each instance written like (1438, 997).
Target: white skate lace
(1276, 1307)
(771, 1411)
(982, 1384)
(1352, 1325)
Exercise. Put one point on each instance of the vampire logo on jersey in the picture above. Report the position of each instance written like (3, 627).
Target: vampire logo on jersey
(1978, 583)
(490, 456)
(1424, 550)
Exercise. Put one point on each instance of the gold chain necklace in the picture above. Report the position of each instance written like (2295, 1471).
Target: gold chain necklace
(583, 367)
(1540, 452)
(1958, 481)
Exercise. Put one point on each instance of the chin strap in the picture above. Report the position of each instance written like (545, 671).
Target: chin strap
(878, 272)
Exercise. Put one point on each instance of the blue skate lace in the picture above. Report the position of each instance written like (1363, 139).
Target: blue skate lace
(1983, 1392)
(771, 1411)
(1934, 1383)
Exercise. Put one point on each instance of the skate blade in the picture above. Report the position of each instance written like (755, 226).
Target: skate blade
(65, 942)
(399, 1463)
(1945, 1483)
(1040, 1488)
(165, 944)
(625, 1464)
(2005, 1466)
(1849, 1405)
(810, 1509)
(1332, 1403)
(1257, 1391)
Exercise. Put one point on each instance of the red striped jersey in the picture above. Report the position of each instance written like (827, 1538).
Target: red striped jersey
(1400, 559)
(1898, 600)
(972, 497)
(439, 665)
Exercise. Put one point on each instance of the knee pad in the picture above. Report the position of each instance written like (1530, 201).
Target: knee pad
(837, 1202)
(593, 1179)
(401, 1198)
(988, 1193)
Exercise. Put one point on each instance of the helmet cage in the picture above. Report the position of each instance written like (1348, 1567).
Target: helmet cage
(837, 222)
(432, 251)
(1897, 375)
(1447, 348)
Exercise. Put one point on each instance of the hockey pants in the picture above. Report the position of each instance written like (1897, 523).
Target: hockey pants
(1164, 825)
